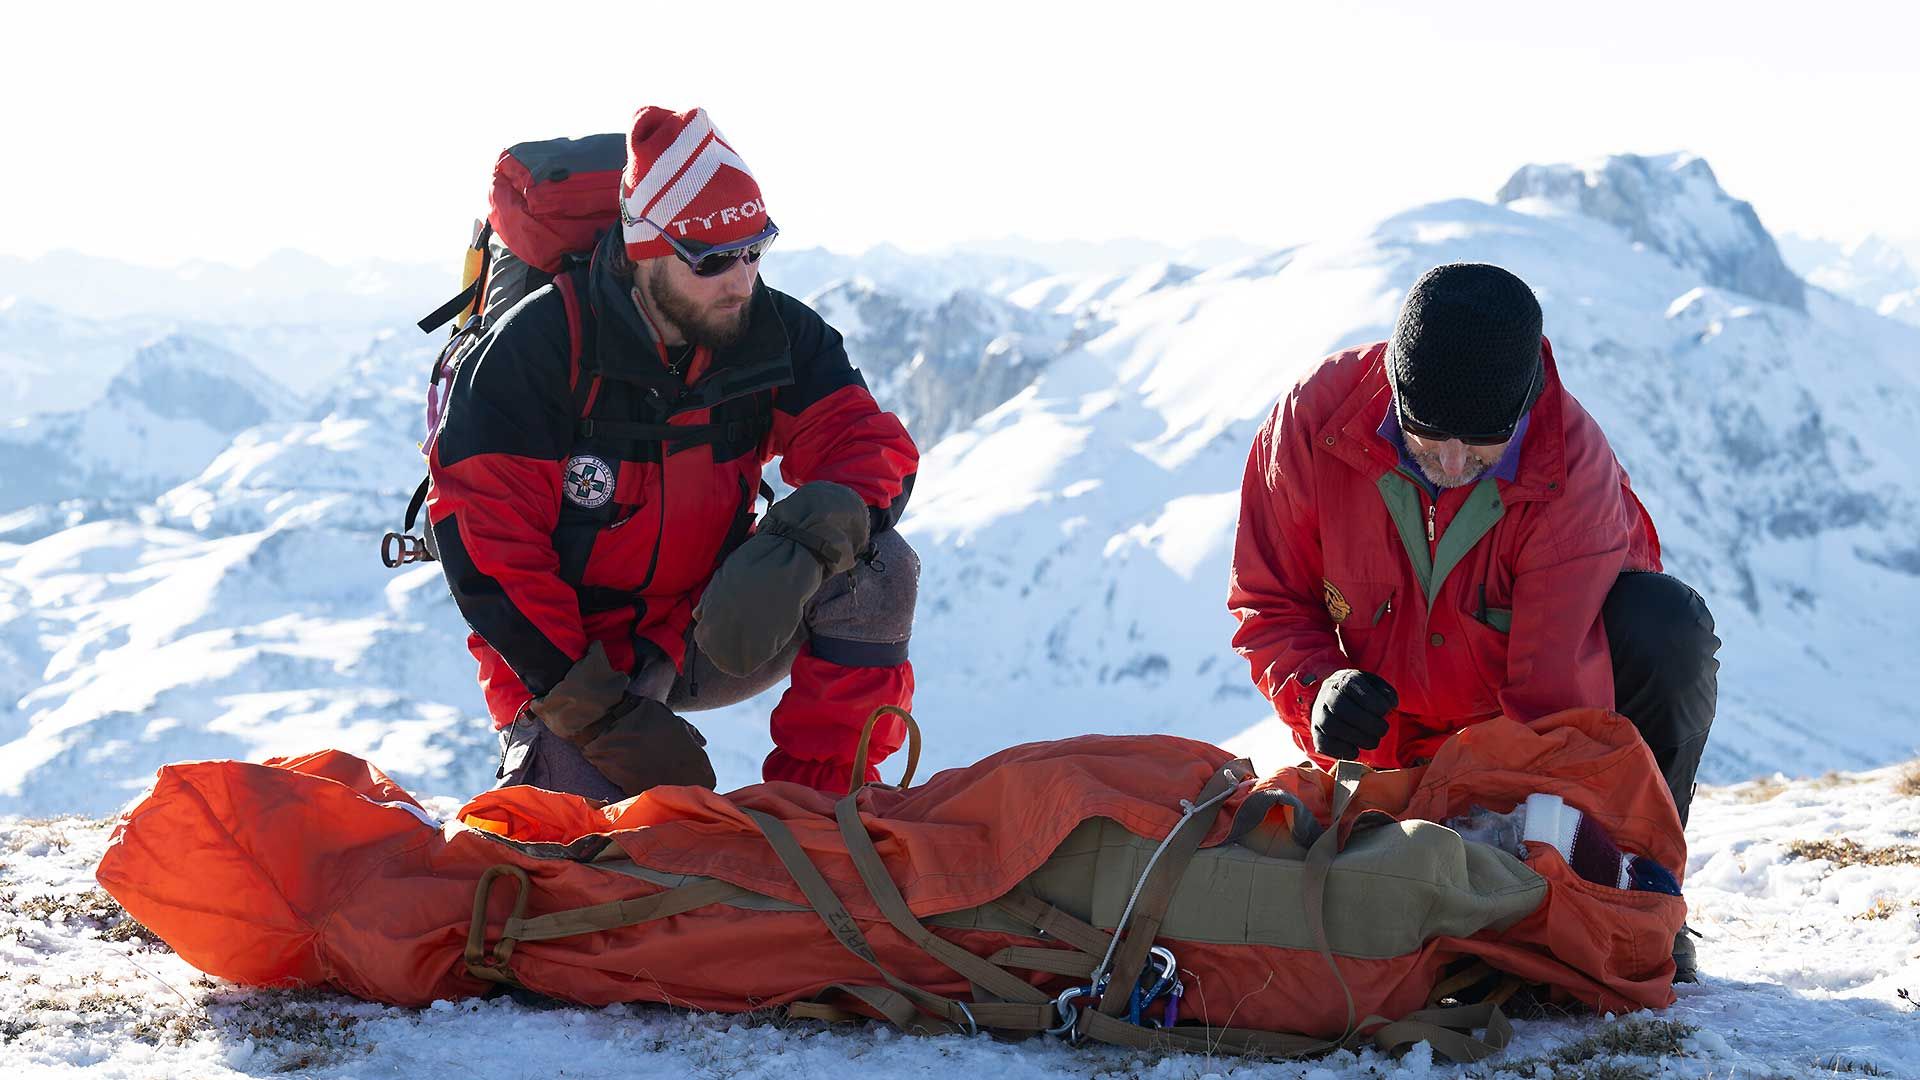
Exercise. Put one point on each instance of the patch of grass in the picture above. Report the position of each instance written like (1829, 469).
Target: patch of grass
(1840, 1066)
(1882, 908)
(172, 1030)
(1853, 853)
(1907, 784)
(1832, 779)
(1581, 1060)
(1760, 790)
(95, 906)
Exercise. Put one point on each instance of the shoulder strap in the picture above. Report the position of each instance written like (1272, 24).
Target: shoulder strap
(587, 390)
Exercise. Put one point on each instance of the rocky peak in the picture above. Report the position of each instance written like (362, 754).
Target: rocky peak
(1672, 203)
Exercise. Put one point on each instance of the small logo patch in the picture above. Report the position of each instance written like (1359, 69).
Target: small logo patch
(589, 481)
(1337, 605)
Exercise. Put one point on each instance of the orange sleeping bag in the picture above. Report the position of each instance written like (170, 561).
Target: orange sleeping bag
(1050, 864)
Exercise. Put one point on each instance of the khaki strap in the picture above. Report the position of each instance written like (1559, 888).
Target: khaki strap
(1203, 1040)
(1157, 889)
(482, 963)
(1446, 1030)
(859, 777)
(1448, 987)
(847, 931)
(492, 965)
(880, 885)
(618, 913)
(1055, 923)
(1069, 962)
(1319, 867)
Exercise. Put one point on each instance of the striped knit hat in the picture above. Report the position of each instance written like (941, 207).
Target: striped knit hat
(683, 178)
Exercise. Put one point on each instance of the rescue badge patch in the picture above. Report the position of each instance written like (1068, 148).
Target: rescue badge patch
(589, 481)
(1337, 605)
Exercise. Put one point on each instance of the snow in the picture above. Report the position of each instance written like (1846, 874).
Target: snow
(79, 993)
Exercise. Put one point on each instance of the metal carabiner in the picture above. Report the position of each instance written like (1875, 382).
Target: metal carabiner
(1069, 1012)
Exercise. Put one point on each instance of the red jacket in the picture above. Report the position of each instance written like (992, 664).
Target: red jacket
(552, 536)
(1342, 560)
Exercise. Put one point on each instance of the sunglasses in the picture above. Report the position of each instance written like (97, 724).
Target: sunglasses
(714, 260)
(1414, 427)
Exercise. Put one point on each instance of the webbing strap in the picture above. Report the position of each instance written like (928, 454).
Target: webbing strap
(1055, 923)
(880, 885)
(1069, 962)
(618, 913)
(1319, 868)
(491, 963)
(1156, 891)
(847, 931)
(1446, 1030)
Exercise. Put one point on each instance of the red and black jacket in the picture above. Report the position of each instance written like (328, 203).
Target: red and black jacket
(561, 517)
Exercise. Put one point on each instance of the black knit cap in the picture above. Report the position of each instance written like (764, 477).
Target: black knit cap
(1465, 354)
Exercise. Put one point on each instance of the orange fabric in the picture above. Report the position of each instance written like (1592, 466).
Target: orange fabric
(290, 873)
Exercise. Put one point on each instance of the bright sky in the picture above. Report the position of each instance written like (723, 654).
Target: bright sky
(160, 132)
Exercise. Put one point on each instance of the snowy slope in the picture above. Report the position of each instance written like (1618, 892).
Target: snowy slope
(82, 990)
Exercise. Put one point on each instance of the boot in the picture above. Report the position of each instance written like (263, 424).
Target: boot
(1685, 969)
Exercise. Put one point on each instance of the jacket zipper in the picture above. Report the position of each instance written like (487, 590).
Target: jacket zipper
(1432, 509)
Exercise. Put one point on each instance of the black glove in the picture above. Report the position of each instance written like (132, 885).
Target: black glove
(1350, 713)
(754, 604)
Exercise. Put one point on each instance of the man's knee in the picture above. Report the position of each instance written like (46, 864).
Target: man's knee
(1663, 643)
(872, 603)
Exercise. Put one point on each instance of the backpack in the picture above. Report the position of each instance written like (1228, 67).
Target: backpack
(551, 203)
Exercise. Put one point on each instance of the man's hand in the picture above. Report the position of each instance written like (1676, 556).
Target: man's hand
(635, 742)
(589, 689)
(754, 603)
(1350, 713)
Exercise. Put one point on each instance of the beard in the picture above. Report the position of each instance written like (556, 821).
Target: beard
(713, 327)
(1439, 477)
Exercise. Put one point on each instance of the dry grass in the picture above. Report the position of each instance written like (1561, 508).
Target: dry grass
(1907, 784)
(1853, 853)
(1760, 790)
(1882, 908)
(1632, 1037)
(93, 907)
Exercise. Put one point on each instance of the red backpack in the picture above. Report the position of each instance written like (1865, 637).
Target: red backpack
(550, 203)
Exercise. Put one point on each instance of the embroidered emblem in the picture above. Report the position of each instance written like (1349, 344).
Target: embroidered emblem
(589, 482)
(1337, 605)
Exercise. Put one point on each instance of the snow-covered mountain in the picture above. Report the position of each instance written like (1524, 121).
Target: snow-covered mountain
(178, 404)
(1074, 538)
(941, 365)
(923, 279)
(1869, 271)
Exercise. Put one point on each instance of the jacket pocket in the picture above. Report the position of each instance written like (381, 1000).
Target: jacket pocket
(1371, 612)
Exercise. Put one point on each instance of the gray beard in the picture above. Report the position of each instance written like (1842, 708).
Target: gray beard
(1477, 469)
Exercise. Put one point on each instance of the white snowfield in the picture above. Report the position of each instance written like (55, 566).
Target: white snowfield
(1075, 542)
(1804, 959)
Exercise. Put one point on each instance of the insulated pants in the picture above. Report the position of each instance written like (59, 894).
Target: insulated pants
(1665, 675)
(849, 658)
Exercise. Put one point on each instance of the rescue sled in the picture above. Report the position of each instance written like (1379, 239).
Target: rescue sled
(1148, 891)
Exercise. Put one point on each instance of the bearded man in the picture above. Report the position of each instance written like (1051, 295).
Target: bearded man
(593, 490)
(1433, 532)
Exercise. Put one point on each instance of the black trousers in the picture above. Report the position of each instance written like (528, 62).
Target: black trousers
(1665, 675)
